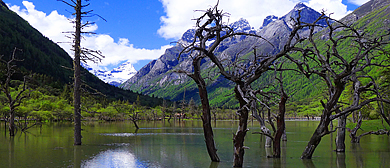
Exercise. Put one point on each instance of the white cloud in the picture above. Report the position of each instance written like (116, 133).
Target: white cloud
(119, 51)
(180, 12)
(51, 25)
(54, 24)
(338, 9)
(358, 2)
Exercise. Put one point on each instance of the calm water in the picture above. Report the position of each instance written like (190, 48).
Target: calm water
(159, 144)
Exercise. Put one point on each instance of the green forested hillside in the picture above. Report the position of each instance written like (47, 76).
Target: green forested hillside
(42, 56)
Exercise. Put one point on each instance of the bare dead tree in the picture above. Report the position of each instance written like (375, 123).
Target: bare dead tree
(336, 69)
(243, 75)
(210, 26)
(80, 54)
(13, 101)
(280, 121)
(264, 130)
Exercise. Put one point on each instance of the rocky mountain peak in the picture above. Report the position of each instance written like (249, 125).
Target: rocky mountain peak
(242, 25)
(308, 15)
(300, 6)
(269, 19)
(188, 36)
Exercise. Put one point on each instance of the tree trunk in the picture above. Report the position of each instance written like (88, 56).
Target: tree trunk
(284, 136)
(316, 138)
(270, 120)
(5, 127)
(268, 140)
(354, 138)
(280, 126)
(322, 128)
(239, 137)
(264, 129)
(340, 138)
(77, 80)
(11, 123)
(135, 124)
(207, 129)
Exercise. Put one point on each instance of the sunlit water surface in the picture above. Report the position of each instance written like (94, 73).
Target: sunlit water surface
(177, 144)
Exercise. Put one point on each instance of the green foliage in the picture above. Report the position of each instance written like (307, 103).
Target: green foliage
(370, 125)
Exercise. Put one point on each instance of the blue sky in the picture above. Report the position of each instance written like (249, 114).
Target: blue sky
(140, 30)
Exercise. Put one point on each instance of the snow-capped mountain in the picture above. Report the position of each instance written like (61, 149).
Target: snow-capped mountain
(116, 76)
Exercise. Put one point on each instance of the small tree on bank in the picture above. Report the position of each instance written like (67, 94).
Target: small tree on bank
(13, 101)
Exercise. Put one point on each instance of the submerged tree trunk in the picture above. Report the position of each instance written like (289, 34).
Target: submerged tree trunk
(316, 137)
(340, 139)
(77, 80)
(206, 118)
(280, 126)
(284, 136)
(264, 129)
(268, 140)
(206, 111)
(322, 128)
(12, 123)
(239, 137)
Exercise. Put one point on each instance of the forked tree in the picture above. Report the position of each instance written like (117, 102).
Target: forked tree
(211, 26)
(80, 54)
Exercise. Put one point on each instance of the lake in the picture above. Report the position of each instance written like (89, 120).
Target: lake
(177, 144)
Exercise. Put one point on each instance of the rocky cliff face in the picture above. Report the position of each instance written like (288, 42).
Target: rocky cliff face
(159, 72)
(157, 76)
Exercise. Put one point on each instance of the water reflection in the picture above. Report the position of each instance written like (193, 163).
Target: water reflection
(214, 165)
(115, 158)
(356, 152)
(182, 145)
(340, 160)
(308, 163)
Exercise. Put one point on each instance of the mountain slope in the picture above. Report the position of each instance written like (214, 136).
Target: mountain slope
(157, 78)
(41, 55)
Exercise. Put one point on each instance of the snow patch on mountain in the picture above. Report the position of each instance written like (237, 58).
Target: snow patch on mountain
(116, 76)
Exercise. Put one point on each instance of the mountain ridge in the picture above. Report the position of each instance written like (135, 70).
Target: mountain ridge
(150, 81)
